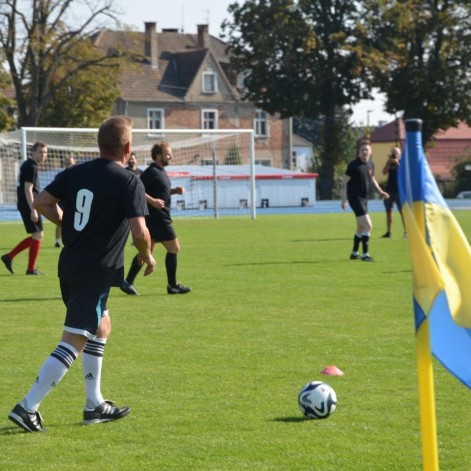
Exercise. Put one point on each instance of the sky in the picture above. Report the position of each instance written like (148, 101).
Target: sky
(189, 13)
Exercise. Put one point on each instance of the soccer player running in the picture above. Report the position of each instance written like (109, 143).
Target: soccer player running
(356, 187)
(102, 201)
(158, 195)
(28, 188)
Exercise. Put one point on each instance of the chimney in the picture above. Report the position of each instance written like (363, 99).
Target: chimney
(150, 47)
(203, 36)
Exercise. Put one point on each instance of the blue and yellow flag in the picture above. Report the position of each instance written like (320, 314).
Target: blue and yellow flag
(441, 260)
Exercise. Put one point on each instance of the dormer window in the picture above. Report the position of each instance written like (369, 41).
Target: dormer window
(210, 82)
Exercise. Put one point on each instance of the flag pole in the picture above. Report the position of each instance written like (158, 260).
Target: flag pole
(426, 399)
(423, 348)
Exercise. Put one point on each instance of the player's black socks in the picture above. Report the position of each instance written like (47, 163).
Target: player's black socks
(133, 271)
(356, 243)
(365, 242)
(171, 267)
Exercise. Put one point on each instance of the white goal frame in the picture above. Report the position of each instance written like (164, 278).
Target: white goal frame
(143, 139)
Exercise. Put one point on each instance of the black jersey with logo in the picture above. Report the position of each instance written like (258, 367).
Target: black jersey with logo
(360, 174)
(29, 173)
(99, 196)
(158, 185)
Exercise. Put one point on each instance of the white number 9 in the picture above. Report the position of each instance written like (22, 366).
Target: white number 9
(83, 205)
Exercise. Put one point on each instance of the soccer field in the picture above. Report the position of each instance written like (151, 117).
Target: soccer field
(212, 377)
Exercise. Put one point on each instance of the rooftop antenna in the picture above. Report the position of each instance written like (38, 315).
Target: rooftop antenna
(207, 16)
(183, 19)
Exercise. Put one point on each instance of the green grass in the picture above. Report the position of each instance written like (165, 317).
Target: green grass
(213, 376)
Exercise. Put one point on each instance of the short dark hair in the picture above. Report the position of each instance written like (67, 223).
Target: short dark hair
(158, 149)
(38, 144)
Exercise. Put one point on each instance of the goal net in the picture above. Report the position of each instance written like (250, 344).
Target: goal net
(215, 167)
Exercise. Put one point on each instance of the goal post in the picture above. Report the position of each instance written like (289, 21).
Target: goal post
(216, 167)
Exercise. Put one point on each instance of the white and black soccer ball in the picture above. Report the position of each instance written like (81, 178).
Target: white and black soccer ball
(317, 400)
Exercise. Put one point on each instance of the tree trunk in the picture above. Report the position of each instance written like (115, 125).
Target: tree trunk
(326, 183)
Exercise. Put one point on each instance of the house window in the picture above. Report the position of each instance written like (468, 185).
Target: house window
(210, 82)
(260, 123)
(155, 118)
(209, 119)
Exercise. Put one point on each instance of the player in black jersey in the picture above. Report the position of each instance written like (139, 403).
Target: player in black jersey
(28, 188)
(158, 194)
(102, 201)
(390, 169)
(132, 165)
(356, 184)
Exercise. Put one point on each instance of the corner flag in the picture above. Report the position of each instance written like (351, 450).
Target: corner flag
(441, 260)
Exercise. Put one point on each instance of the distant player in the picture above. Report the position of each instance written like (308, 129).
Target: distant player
(28, 188)
(158, 195)
(356, 184)
(102, 200)
(390, 169)
(132, 165)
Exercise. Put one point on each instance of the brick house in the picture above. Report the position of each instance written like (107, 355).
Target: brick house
(444, 151)
(178, 81)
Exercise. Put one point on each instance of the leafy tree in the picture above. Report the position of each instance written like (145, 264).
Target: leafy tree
(423, 52)
(347, 135)
(233, 156)
(38, 43)
(6, 104)
(305, 59)
(92, 91)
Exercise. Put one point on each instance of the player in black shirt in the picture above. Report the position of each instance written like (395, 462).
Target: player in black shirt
(102, 200)
(356, 183)
(28, 188)
(158, 194)
(390, 169)
(132, 165)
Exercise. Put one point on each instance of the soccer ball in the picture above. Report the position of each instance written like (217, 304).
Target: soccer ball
(317, 400)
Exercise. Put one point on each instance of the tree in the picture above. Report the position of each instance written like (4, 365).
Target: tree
(303, 59)
(233, 156)
(422, 61)
(6, 104)
(37, 42)
(92, 91)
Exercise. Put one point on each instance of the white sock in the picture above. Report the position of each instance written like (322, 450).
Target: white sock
(52, 371)
(92, 360)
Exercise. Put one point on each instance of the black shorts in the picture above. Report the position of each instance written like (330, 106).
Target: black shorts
(359, 206)
(30, 226)
(161, 231)
(86, 305)
(393, 198)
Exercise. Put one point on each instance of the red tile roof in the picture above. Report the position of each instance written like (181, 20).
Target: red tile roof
(443, 153)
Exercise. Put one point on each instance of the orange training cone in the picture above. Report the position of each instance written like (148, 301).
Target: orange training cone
(332, 371)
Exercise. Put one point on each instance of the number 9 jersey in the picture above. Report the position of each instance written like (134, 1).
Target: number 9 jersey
(97, 197)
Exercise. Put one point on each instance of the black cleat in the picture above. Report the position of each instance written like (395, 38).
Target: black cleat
(366, 258)
(34, 272)
(128, 288)
(178, 289)
(29, 421)
(8, 263)
(386, 236)
(57, 244)
(354, 256)
(105, 412)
